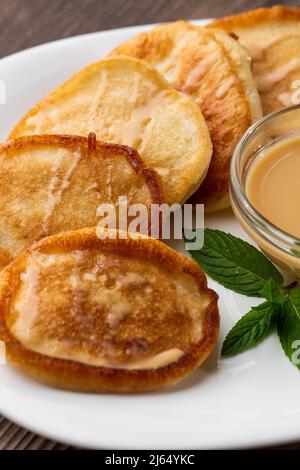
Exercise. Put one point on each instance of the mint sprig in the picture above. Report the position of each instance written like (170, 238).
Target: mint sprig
(294, 298)
(242, 268)
(251, 329)
(235, 263)
(288, 327)
(273, 292)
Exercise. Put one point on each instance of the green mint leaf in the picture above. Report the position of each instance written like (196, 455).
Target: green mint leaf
(288, 327)
(272, 292)
(294, 297)
(251, 329)
(235, 263)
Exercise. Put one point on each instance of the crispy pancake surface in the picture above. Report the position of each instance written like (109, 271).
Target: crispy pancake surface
(51, 184)
(214, 70)
(106, 314)
(272, 37)
(125, 100)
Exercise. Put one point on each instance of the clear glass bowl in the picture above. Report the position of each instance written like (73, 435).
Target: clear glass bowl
(280, 246)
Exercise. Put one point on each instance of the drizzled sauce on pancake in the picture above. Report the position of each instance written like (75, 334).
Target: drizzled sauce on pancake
(266, 83)
(57, 186)
(106, 310)
(192, 80)
(225, 87)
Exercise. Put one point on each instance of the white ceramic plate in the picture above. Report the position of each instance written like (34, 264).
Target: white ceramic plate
(249, 400)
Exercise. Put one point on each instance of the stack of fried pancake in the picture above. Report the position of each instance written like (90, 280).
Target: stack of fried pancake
(272, 38)
(211, 67)
(157, 121)
(126, 101)
(102, 310)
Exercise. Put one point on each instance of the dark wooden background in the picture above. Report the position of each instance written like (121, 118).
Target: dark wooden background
(25, 23)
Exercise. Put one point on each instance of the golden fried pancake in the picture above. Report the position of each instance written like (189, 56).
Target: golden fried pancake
(125, 100)
(99, 314)
(50, 184)
(214, 69)
(272, 37)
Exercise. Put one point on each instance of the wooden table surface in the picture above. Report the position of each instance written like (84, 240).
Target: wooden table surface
(26, 23)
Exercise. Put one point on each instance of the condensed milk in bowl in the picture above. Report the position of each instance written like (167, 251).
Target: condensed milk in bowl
(265, 186)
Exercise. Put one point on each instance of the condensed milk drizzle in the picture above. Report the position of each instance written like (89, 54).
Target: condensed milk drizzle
(286, 98)
(193, 79)
(57, 187)
(76, 304)
(225, 86)
(266, 83)
(257, 50)
(97, 101)
(28, 305)
(130, 131)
